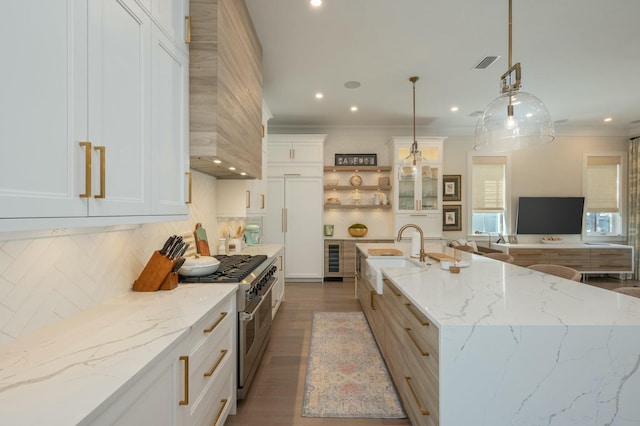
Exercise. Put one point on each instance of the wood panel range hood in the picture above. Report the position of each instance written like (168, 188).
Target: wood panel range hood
(225, 90)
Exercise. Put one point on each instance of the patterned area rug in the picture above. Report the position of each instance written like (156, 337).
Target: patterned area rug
(346, 376)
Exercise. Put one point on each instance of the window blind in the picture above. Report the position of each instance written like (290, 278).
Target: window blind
(488, 183)
(602, 184)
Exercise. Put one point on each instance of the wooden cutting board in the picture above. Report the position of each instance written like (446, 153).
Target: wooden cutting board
(385, 252)
(441, 256)
(202, 245)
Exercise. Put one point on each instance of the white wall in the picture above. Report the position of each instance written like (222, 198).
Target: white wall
(553, 169)
(43, 280)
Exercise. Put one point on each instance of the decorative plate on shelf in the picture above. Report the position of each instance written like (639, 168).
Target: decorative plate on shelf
(355, 180)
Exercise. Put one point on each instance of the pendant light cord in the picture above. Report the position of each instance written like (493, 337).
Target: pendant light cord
(414, 145)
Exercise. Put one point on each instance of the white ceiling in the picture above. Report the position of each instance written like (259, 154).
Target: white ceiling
(580, 57)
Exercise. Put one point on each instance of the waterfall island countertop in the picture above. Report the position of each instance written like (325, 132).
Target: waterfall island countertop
(518, 347)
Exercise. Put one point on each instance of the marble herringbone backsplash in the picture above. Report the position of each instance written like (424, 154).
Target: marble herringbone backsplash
(43, 280)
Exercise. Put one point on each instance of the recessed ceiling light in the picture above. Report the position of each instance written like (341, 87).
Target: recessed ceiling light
(352, 84)
(232, 168)
(243, 174)
(217, 161)
(454, 109)
(319, 95)
(354, 108)
(316, 3)
(608, 119)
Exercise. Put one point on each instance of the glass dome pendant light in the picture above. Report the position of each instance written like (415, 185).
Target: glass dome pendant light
(527, 121)
(414, 162)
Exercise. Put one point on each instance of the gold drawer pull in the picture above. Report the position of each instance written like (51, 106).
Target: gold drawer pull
(215, 324)
(409, 307)
(248, 201)
(393, 289)
(261, 201)
(373, 305)
(87, 169)
(190, 190)
(223, 403)
(185, 401)
(210, 372)
(422, 351)
(188, 39)
(423, 410)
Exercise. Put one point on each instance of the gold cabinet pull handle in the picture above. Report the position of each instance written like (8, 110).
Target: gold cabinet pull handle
(373, 305)
(415, 343)
(393, 289)
(223, 403)
(103, 170)
(248, 201)
(188, 39)
(409, 307)
(261, 201)
(423, 410)
(190, 184)
(215, 324)
(185, 401)
(210, 372)
(87, 169)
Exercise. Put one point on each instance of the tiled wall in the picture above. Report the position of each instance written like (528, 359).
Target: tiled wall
(43, 280)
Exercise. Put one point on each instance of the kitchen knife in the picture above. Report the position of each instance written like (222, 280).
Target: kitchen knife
(175, 249)
(178, 265)
(182, 251)
(176, 242)
(167, 244)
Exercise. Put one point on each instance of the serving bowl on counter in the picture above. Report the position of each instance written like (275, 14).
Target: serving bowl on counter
(199, 266)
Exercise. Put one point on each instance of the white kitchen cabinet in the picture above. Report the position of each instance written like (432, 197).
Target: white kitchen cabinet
(419, 201)
(119, 108)
(294, 218)
(90, 90)
(169, 125)
(290, 154)
(171, 16)
(150, 400)
(206, 368)
(194, 383)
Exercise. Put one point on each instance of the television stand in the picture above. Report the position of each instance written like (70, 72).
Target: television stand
(587, 258)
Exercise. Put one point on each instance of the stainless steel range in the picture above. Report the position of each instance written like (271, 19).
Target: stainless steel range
(256, 276)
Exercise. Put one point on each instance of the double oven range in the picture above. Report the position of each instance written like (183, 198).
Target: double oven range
(255, 276)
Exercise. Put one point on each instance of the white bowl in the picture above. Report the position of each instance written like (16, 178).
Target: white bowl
(199, 266)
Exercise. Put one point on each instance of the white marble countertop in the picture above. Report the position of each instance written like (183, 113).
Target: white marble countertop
(270, 250)
(491, 292)
(62, 373)
(518, 347)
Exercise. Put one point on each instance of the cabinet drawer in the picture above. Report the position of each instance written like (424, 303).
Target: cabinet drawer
(211, 324)
(611, 260)
(573, 258)
(526, 257)
(422, 329)
(210, 359)
(216, 401)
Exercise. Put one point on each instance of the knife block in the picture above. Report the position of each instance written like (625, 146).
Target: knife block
(170, 282)
(155, 273)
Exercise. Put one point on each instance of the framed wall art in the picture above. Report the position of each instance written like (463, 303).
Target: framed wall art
(452, 218)
(451, 188)
(356, 160)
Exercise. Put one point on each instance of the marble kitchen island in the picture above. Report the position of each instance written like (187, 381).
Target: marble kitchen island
(513, 346)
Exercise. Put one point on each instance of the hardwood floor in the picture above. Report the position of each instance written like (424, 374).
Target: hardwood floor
(275, 398)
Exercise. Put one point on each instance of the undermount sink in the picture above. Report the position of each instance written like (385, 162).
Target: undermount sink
(373, 268)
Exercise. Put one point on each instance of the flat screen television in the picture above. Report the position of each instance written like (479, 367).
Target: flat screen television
(550, 215)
